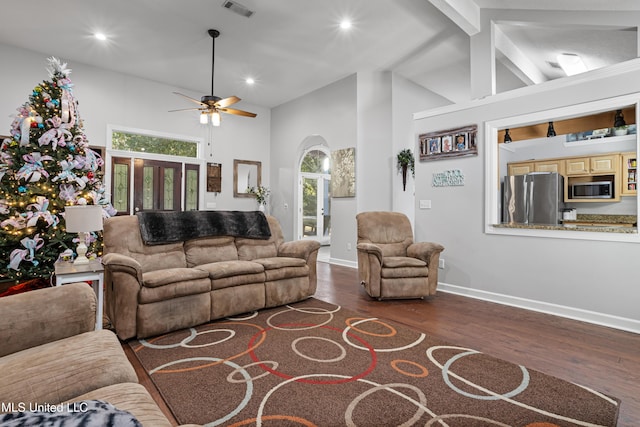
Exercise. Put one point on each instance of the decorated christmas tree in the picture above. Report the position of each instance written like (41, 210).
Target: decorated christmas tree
(46, 165)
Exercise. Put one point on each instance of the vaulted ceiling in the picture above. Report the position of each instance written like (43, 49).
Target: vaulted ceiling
(291, 47)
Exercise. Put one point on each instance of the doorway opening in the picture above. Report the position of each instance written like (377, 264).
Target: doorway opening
(314, 219)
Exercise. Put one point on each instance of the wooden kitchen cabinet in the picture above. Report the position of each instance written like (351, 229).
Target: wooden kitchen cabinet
(520, 168)
(605, 164)
(629, 174)
(550, 166)
(593, 165)
(578, 166)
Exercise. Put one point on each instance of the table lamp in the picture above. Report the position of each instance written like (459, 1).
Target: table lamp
(82, 219)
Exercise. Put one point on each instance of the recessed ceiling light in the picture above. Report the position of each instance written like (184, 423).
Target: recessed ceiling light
(345, 24)
(249, 81)
(100, 36)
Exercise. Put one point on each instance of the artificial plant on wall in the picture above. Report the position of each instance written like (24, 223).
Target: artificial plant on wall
(406, 162)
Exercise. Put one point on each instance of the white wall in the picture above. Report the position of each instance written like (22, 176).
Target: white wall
(407, 98)
(109, 98)
(330, 113)
(374, 163)
(591, 280)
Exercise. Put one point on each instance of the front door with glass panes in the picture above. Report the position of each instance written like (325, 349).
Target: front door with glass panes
(156, 185)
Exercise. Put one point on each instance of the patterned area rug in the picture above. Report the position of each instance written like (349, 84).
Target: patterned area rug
(316, 364)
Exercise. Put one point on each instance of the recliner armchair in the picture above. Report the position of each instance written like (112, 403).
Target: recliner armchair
(390, 264)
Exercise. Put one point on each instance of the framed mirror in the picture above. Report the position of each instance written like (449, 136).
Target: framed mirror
(246, 174)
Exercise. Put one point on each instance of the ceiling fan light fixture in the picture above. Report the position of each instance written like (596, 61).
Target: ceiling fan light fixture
(211, 104)
(215, 118)
(571, 64)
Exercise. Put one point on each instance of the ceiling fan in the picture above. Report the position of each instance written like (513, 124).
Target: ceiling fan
(210, 106)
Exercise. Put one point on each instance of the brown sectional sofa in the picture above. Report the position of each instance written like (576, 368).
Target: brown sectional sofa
(154, 289)
(51, 354)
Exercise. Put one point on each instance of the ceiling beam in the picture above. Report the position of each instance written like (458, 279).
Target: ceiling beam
(515, 60)
(464, 13)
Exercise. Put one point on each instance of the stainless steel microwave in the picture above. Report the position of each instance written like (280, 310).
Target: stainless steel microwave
(592, 190)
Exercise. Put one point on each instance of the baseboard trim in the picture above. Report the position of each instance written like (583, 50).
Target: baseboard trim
(596, 318)
(343, 262)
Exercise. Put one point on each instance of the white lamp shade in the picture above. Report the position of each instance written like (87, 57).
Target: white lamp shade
(215, 118)
(83, 218)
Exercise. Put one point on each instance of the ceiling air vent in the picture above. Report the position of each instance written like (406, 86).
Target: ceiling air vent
(236, 7)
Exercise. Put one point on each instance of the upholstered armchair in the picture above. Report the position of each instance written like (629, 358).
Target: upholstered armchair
(390, 264)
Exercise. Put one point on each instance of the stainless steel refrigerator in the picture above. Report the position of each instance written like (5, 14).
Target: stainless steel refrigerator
(534, 198)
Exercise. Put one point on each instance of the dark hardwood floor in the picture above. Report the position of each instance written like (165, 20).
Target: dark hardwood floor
(605, 359)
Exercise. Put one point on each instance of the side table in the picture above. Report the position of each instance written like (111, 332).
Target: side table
(68, 272)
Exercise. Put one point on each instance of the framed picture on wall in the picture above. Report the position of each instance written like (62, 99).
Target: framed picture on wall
(447, 143)
(434, 145)
(459, 142)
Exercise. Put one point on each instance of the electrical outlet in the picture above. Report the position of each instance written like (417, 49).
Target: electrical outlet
(425, 204)
(441, 263)
(348, 246)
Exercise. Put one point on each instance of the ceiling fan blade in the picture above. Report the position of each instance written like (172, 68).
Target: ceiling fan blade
(188, 109)
(227, 101)
(237, 112)
(189, 98)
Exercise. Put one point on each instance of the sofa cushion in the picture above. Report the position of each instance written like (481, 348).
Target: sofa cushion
(174, 290)
(122, 235)
(218, 270)
(402, 261)
(279, 268)
(403, 267)
(61, 370)
(280, 262)
(210, 249)
(152, 279)
(250, 249)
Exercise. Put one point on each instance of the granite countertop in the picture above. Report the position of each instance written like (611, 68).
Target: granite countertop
(628, 220)
(625, 224)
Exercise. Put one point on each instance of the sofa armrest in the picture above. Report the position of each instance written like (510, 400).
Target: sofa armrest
(298, 249)
(115, 262)
(426, 251)
(123, 281)
(370, 249)
(429, 253)
(38, 317)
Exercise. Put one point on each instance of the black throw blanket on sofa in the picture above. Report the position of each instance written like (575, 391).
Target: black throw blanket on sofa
(158, 228)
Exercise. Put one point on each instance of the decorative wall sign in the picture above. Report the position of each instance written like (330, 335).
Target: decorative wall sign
(343, 173)
(451, 178)
(459, 142)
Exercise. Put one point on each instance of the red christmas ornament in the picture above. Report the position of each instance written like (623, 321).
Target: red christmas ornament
(34, 125)
(90, 175)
